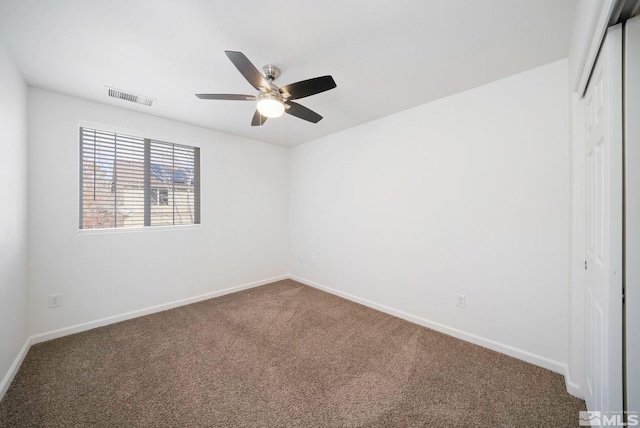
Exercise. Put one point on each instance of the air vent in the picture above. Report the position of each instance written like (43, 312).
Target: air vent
(128, 96)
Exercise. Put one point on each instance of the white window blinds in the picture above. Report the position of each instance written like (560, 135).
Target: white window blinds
(128, 181)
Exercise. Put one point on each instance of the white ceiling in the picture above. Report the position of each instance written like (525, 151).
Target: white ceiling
(385, 56)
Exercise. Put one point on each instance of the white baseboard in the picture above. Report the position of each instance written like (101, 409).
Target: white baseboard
(8, 378)
(54, 334)
(520, 354)
(572, 387)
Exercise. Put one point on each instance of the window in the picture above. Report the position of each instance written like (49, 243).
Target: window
(128, 181)
(159, 196)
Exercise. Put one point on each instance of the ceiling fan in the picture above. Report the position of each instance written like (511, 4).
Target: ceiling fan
(272, 100)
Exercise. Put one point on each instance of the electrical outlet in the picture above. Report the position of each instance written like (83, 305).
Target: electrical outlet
(460, 300)
(301, 262)
(313, 264)
(55, 300)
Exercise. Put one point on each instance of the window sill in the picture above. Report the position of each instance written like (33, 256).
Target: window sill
(137, 229)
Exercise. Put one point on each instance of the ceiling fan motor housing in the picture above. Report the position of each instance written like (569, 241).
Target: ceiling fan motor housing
(271, 72)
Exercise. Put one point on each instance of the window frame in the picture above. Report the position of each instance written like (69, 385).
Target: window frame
(154, 138)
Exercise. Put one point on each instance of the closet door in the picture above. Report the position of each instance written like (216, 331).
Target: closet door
(603, 330)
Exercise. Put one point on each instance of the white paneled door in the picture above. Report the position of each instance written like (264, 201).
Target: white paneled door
(603, 120)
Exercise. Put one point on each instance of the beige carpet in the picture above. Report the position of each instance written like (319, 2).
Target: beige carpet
(279, 355)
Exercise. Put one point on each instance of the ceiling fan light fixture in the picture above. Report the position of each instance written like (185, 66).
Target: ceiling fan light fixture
(270, 105)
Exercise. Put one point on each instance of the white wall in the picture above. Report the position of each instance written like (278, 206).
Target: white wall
(13, 217)
(242, 238)
(468, 194)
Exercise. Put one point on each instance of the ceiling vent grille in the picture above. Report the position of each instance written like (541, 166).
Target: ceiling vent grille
(128, 96)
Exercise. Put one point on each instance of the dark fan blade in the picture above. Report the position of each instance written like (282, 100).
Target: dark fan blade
(258, 119)
(308, 87)
(231, 97)
(248, 70)
(302, 112)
